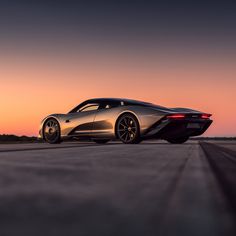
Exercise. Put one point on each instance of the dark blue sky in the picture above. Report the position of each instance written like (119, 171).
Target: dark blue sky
(168, 23)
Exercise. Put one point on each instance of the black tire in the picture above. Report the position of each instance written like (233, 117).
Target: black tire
(101, 141)
(177, 140)
(127, 129)
(52, 131)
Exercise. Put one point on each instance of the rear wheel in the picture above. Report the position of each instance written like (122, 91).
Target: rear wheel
(177, 140)
(127, 129)
(101, 141)
(51, 131)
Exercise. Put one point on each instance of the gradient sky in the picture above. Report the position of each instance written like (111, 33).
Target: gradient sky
(55, 54)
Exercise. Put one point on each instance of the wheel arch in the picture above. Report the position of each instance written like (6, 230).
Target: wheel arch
(123, 113)
(44, 122)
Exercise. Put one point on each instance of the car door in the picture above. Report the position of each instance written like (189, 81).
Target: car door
(81, 121)
(104, 122)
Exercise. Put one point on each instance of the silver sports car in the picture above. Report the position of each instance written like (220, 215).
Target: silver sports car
(129, 121)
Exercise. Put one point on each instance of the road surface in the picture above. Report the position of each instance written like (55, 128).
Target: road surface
(153, 188)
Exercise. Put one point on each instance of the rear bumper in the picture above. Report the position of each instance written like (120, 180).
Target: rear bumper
(170, 128)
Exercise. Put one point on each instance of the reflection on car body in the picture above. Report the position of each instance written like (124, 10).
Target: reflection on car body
(130, 121)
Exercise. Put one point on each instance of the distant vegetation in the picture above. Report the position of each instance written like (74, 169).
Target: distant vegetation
(10, 138)
(213, 138)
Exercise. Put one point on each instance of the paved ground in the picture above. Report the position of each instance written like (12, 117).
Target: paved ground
(87, 189)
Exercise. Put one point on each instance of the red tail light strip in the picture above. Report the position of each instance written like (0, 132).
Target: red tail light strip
(181, 116)
(205, 116)
(175, 116)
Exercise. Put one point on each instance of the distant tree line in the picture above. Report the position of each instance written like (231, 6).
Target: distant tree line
(11, 138)
(5, 138)
(213, 138)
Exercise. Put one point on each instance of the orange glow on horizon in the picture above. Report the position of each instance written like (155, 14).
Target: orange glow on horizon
(32, 87)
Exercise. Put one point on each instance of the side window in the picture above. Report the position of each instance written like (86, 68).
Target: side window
(107, 106)
(111, 104)
(89, 107)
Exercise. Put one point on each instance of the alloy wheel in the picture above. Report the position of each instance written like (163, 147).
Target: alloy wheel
(51, 131)
(127, 129)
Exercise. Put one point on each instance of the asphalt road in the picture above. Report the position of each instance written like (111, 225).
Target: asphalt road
(153, 188)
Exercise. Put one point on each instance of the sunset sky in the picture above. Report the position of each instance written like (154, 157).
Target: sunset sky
(55, 54)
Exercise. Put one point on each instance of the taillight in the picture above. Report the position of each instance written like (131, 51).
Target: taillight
(205, 116)
(175, 116)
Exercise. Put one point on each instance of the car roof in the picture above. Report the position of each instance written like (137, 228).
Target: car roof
(124, 100)
(116, 100)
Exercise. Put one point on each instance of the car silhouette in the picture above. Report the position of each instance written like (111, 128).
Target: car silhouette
(127, 120)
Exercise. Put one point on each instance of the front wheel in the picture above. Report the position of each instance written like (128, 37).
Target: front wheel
(51, 131)
(127, 129)
(177, 140)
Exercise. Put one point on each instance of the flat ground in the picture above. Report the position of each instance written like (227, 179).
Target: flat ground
(153, 188)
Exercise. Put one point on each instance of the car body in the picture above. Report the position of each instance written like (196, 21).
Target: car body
(104, 119)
